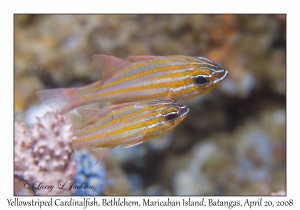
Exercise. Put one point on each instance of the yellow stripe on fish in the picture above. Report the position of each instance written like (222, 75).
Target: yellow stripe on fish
(127, 124)
(140, 78)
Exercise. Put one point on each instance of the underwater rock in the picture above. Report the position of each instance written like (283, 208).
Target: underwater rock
(184, 181)
(116, 181)
(136, 184)
(156, 190)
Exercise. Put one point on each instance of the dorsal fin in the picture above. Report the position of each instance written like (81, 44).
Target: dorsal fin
(109, 65)
(139, 58)
(90, 115)
(118, 106)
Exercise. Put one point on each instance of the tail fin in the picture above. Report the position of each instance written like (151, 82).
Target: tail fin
(59, 99)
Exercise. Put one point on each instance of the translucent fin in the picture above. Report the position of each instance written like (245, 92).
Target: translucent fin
(100, 152)
(109, 65)
(169, 94)
(131, 145)
(90, 115)
(109, 105)
(138, 58)
(118, 106)
(58, 99)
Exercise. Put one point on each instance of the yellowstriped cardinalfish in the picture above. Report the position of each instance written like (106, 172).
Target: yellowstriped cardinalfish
(127, 124)
(139, 78)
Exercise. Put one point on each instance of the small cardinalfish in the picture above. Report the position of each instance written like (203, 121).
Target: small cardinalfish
(127, 124)
(139, 78)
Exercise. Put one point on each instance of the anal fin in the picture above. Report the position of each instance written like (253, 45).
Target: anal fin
(100, 152)
(131, 145)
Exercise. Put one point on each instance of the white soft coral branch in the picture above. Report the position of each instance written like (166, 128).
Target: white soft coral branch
(43, 153)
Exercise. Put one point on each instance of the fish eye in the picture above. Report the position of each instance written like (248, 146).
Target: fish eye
(171, 116)
(201, 80)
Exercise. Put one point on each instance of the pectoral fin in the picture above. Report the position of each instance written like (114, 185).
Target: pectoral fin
(169, 94)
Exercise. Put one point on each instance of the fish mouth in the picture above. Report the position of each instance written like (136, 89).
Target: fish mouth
(183, 110)
(220, 76)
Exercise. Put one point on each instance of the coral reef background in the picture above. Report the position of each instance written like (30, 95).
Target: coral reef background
(234, 140)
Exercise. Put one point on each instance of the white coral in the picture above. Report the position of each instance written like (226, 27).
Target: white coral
(43, 153)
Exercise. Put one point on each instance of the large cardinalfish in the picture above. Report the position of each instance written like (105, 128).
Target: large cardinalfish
(139, 78)
(127, 124)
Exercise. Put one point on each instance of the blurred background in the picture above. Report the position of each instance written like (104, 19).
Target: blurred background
(233, 142)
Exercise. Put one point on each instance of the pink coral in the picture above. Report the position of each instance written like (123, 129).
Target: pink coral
(44, 155)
